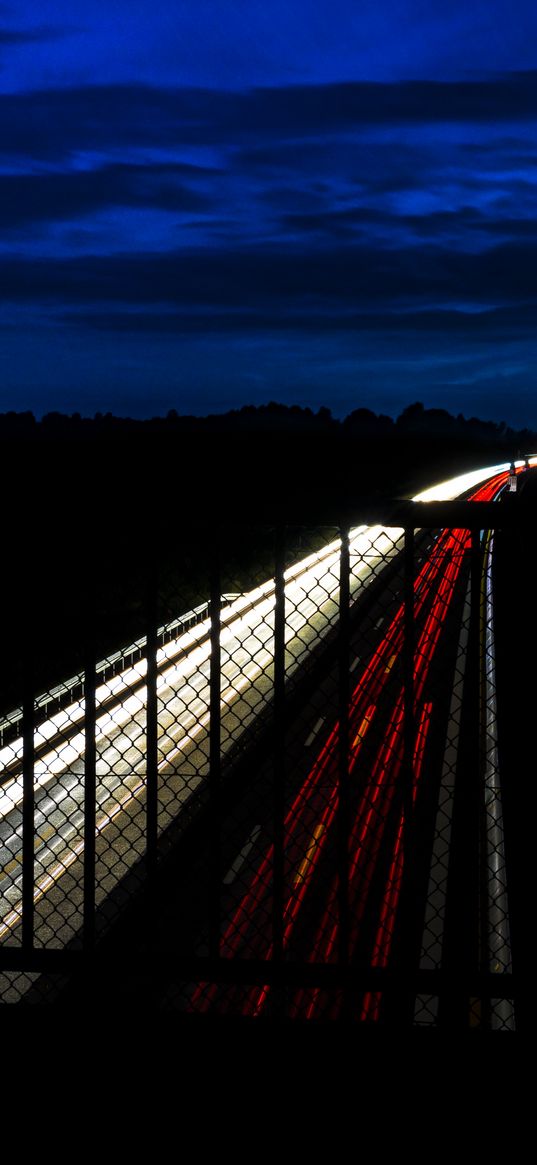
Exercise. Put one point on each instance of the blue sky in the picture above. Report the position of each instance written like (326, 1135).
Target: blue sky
(209, 204)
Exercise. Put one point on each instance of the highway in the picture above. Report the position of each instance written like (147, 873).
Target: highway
(311, 596)
(184, 711)
(376, 854)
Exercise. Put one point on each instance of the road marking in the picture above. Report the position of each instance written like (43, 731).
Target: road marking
(379, 622)
(314, 732)
(304, 866)
(364, 726)
(390, 664)
(241, 857)
(355, 662)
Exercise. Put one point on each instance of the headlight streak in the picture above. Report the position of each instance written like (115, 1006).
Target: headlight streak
(48, 879)
(368, 545)
(364, 541)
(194, 656)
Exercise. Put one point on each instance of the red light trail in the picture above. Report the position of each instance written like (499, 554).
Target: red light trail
(309, 822)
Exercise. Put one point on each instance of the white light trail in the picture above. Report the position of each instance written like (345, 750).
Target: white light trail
(246, 644)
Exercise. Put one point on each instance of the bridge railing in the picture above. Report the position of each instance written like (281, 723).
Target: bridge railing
(294, 800)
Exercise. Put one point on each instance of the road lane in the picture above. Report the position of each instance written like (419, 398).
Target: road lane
(309, 820)
(311, 591)
(183, 690)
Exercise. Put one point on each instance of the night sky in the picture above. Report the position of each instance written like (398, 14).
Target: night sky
(210, 203)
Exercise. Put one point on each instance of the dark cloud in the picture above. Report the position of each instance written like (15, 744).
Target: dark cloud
(336, 223)
(230, 278)
(466, 225)
(318, 109)
(512, 228)
(346, 277)
(33, 198)
(478, 325)
(333, 221)
(55, 123)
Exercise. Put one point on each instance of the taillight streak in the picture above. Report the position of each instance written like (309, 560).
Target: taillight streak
(371, 683)
(366, 838)
(388, 760)
(384, 936)
(306, 817)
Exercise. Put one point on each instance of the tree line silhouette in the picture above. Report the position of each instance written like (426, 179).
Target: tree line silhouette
(261, 460)
(89, 504)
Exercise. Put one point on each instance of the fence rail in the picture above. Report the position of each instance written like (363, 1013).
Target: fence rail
(293, 800)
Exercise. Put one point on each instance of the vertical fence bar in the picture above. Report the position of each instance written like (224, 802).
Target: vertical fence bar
(152, 720)
(480, 954)
(516, 636)
(401, 1005)
(408, 679)
(279, 745)
(215, 762)
(343, 826)
(461, 935)
(90, 792)
(473, 807)
(28, 811)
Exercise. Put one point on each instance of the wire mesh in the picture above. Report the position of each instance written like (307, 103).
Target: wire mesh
(303, 738)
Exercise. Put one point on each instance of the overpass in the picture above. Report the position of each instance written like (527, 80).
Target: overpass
(304, 783)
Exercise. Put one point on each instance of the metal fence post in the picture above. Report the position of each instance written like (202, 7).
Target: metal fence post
(398, 1005)
(409, 745)
(28, 809)
(428, 605)
(152, 719)
(408, 679)
(215, 761)
(279, 745)
(461, 942)
(343, 774)
(90, 789)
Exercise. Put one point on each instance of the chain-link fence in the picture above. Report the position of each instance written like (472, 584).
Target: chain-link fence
(284, 795)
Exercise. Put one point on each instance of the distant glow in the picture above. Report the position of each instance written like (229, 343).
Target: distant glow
(447, 490)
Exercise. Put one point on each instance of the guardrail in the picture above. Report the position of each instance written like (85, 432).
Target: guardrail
(68, 691)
